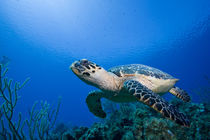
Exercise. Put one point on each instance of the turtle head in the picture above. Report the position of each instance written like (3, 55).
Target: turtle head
(87, 71)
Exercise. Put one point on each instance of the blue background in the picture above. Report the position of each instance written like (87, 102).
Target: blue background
(43, 37)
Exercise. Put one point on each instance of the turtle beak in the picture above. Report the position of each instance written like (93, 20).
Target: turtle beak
(76, 67)
(73, 65)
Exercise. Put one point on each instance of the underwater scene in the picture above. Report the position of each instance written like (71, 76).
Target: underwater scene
(104, 70)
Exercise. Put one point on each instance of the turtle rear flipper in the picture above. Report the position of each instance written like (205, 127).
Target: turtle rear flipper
(147, 96)
(94, 103)
(180, 93)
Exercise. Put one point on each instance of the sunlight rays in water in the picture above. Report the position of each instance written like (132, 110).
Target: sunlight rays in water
(98, 29)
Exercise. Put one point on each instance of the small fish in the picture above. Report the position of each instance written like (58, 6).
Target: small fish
(4, 61)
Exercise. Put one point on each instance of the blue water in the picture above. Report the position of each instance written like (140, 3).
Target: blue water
(42, 38)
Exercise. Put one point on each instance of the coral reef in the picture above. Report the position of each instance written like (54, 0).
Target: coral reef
(135, 121)
(40, 121)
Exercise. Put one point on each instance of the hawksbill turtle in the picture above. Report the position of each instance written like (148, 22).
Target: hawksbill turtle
(130, 83)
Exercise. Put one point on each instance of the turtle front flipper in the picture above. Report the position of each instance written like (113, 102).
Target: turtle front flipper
(180, 93)
(94, 103)
(147, 96)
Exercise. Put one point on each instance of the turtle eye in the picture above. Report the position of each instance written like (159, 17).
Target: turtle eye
(86, 74)
(85, 61)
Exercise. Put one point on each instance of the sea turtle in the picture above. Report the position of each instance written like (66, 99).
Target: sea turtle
(130, 83)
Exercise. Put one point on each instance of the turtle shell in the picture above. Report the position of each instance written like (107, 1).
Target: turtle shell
(139, 69)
